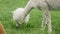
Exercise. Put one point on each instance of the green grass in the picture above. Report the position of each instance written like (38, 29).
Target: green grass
(34, 24)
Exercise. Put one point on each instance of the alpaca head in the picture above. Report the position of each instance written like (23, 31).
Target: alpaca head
(18, 15)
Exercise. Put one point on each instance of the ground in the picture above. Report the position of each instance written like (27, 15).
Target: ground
(34, 24)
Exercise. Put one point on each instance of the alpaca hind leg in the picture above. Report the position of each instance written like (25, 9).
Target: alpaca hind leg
(49, 23)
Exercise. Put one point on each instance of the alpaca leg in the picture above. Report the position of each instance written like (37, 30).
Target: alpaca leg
(49, 22)
(48, 18)
(45, 9)
(49, 26)
(44, 22)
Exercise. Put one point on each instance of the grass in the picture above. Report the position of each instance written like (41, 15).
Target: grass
(34, 24)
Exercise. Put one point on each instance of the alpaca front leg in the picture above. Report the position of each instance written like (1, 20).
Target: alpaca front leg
(49, 22)
(46, 17)
(49, 26)
(44, 22)
(45, 9)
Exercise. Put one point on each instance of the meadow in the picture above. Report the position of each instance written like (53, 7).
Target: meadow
(35, 21)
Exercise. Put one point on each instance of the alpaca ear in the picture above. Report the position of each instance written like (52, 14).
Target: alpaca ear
(2, 30)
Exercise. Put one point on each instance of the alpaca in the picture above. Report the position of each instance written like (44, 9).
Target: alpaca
(2, 30)
(18, 15)
(45, 6)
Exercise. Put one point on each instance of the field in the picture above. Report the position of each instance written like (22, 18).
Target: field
(34, 24)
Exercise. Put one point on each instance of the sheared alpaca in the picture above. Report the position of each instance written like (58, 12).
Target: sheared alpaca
(2, 30)
(44, 5)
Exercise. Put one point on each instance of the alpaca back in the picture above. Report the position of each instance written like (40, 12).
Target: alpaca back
(54, 3)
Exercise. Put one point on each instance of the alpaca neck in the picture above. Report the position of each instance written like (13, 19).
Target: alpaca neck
(28, 8)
